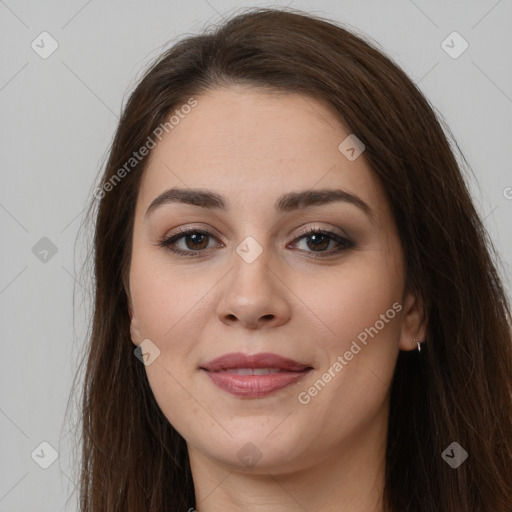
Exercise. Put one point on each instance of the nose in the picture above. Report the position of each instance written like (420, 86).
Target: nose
(254, 295)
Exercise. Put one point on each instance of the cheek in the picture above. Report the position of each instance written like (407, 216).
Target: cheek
(171, 314)
(353, 298)
(164, 298)
(361, 306)
(173, 308)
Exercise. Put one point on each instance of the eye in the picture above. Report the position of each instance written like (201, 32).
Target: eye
(320, 239)
(196, 241)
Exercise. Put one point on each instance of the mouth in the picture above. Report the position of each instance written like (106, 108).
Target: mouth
(262, 361)
(254, 376)
(255, 371)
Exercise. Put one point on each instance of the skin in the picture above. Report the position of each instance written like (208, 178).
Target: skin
(251, 147)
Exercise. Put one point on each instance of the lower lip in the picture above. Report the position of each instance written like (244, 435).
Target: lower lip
(254, 386)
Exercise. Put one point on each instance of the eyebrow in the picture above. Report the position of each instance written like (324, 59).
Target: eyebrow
(286, 203)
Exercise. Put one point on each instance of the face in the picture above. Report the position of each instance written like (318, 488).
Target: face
(318, 280)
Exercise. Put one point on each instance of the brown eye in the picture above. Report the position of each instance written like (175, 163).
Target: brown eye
(195, 241)
(318, 240)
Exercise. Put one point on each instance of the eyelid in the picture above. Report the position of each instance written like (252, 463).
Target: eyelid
(343, 241)
(315, 228)
(191, 228)
(301, 231)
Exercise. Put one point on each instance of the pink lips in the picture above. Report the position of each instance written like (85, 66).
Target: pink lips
(231, 372)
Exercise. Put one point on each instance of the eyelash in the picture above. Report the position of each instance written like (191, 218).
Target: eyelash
(345, 243)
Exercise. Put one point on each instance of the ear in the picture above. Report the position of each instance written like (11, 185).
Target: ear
(135, 333)
(414, 322)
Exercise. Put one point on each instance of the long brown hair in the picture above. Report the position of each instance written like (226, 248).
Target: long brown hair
(457, 389)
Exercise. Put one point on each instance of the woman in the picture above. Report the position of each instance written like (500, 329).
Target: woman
(297, 305)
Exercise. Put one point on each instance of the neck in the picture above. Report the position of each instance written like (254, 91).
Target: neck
(349, 478)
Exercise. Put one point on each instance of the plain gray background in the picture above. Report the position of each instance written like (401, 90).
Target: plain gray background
(58, 117)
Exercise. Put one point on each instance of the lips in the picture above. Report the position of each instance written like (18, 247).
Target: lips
(239, 360)
(254, 376)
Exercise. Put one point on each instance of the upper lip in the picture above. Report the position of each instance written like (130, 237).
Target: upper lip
(263, 360)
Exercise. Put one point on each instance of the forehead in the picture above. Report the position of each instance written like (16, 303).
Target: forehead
(252, 146)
